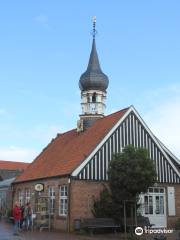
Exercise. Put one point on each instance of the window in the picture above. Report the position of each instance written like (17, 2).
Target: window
(156, 190)
(150, 190)
(88, 98)
(159, 205)
(20, 197)
(63, 201)
(94, 97)
(148, 201)
(154, 201)
(27, 195)
(161, 190)
(51, 194)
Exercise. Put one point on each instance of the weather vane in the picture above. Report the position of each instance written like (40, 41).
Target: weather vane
(94, 32)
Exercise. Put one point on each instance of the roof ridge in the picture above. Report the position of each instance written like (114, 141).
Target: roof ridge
(7, 161)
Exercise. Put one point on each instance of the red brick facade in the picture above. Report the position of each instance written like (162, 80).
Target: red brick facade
(81, 194)
(171, 220)
(57, 222)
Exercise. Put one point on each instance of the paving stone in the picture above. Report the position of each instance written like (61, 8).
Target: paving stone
(6, 233)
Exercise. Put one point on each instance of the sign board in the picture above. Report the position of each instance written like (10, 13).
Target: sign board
(39, 187)
(171, 201)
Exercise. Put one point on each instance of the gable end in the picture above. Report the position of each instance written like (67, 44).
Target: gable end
(130, 130)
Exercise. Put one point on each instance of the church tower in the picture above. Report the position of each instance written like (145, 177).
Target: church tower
(93, 84)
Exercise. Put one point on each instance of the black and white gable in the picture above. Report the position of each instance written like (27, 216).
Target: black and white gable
(129, 130)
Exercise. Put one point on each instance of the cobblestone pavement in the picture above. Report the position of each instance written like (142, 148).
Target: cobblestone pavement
(6, 233)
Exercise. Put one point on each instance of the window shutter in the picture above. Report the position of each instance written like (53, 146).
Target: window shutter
(171, 201)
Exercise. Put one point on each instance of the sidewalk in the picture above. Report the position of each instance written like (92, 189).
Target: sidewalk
(6, 233)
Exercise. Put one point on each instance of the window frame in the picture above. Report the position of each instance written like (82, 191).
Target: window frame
(20, 197)
(52, 199)
(27, 195)
(63, 200)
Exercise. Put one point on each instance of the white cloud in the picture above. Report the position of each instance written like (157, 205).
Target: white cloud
(19, 154)
(164, 117)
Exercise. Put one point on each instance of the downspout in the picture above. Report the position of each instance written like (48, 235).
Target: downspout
(69, 205)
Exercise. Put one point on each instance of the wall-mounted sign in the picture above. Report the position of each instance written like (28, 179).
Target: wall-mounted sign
(39, 187)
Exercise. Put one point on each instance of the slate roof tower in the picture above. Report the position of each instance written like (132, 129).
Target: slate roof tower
(93, 84)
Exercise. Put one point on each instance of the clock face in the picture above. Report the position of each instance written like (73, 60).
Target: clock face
(39, 187)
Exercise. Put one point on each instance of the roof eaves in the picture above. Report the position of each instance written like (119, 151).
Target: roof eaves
(40, 178)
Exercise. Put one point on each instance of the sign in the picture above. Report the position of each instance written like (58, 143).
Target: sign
(39, 187)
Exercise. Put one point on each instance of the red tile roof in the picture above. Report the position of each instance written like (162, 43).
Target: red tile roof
(9, 165)
(68, 150)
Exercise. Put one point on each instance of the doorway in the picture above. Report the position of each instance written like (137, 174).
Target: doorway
(153, 206)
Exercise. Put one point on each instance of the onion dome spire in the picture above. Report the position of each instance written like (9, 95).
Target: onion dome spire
(93, 78)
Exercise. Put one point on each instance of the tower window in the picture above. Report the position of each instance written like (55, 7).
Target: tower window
(94, 97)
(88, 98)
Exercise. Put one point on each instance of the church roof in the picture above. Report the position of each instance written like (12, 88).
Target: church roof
(68, 150)
(10, 165)
(93, 78)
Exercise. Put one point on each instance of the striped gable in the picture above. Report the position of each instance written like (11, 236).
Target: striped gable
(130, 129)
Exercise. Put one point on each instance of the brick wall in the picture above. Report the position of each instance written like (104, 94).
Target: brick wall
(82, 194)
(81, 198)
(171, 220)
(57, 221)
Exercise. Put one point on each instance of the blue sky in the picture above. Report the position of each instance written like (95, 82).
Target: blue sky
(45, 46)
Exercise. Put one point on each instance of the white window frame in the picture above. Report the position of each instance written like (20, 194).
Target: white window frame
(63, 200)
(20, 197)
(157, 196)
(52, 197)
(27, 195)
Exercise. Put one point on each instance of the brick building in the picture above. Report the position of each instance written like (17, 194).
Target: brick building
(71, 170)
(10, 169)
(5, 196)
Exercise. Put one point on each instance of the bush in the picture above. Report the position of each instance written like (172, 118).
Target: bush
(102, 207)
